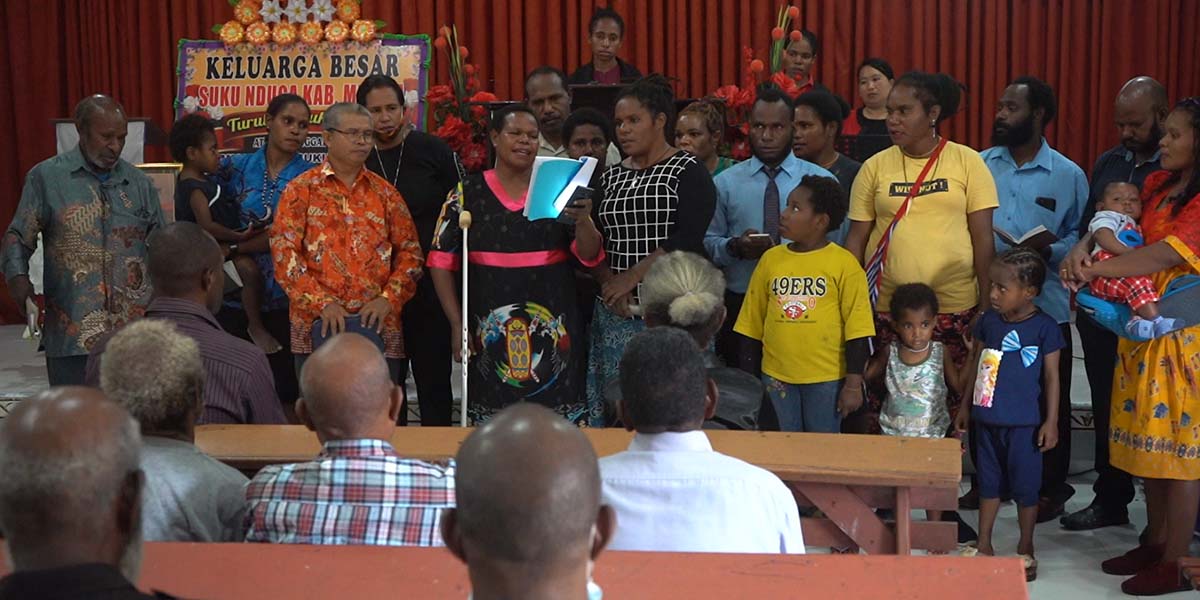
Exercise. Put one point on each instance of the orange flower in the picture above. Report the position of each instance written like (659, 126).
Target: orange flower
(336, 32)
(757, 65)
(463, 52)
(794, 12)
(311, 32)
(363, 30)
(258, 33)
(347, 11)
(439, 43)
(232, 33)
(795, 35)
(246, 11)
(284, 34)
(777, 33)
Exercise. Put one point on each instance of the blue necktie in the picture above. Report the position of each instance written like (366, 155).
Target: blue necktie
(771, 209)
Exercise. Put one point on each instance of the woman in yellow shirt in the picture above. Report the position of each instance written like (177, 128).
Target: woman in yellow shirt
(945, 239)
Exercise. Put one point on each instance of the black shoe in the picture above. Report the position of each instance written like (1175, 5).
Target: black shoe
(1048, 509)
(1094, 517)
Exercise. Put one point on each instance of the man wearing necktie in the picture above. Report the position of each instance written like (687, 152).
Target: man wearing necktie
(746, 221)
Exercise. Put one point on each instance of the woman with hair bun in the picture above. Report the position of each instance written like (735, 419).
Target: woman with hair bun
(952, 208)
(686, 291)
(659, 199)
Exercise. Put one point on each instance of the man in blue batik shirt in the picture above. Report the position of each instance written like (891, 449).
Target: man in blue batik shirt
(742, 228)
(1037, 186)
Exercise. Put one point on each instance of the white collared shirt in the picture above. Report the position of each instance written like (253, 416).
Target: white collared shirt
(673, 493)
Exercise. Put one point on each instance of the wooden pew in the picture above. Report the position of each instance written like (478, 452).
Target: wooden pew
(845, 476)
(301, 572)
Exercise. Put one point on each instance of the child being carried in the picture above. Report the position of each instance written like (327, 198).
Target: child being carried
(1115, 231)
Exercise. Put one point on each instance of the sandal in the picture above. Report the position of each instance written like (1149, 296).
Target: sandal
(1030, 566)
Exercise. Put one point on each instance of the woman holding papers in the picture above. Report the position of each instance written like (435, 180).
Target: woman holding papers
(526, 340)
(657, 200)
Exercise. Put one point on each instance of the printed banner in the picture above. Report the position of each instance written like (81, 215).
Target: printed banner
(234, 85)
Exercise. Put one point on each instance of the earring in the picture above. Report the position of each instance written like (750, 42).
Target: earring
(933, 123)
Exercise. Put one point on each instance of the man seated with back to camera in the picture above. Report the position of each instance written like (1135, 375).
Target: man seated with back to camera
(671, 491)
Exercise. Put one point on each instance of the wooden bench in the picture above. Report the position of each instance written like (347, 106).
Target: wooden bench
(301, 572)
(846, 476)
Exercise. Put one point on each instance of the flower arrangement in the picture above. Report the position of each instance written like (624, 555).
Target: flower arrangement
(739, 99)
(458, 114)
(287, 22)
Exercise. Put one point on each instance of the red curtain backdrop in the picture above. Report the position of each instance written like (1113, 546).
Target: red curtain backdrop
(54, 52)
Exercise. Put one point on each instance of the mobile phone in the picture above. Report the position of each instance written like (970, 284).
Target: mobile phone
(760, 236)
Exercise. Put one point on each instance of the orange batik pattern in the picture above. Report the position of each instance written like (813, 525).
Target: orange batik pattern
(333, 244)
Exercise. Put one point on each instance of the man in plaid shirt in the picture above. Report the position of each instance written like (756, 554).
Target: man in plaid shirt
(357, 491)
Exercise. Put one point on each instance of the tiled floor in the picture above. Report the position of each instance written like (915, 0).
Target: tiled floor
(1069, 562)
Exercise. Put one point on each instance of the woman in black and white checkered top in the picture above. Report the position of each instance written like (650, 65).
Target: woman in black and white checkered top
(657, 200)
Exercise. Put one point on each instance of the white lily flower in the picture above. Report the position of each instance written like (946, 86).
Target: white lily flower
(323, 10)
(190, 104)
(296, 11)
(271, 11)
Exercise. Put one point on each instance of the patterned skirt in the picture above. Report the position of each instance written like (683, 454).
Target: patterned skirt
(1155, 427)
(610, 335)
(949, 329)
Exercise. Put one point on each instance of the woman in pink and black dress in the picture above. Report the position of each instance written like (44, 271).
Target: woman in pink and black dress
(523, 313)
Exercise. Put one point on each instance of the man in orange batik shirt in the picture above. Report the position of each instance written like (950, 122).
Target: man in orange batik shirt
(344, 244)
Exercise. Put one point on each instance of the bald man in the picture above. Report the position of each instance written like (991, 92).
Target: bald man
(1141, 110)
(529, 522)
(185, 266)
(358, 490)
(70, 497)
(94, 212)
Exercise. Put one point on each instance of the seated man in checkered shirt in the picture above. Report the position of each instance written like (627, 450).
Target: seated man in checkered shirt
(357, 491)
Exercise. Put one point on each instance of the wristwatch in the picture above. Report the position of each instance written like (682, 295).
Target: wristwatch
(233, 249)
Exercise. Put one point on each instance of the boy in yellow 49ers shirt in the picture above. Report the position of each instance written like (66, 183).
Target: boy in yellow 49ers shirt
(808, 303)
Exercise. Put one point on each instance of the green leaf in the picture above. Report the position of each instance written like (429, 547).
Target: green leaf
(234, 2)
(217, 28)
(379, 23)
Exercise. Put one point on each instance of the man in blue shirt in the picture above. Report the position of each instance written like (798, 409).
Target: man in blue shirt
(1038, 186)
(750, 197)
(1141, 109)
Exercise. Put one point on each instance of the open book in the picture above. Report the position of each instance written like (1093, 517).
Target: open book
(553, 184)
(1037, 238)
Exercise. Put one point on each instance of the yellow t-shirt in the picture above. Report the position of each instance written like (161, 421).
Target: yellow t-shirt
(804, 307)
(931, 245)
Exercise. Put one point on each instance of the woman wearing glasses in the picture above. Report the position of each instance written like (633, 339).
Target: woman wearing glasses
(257, 179)
(524, 317)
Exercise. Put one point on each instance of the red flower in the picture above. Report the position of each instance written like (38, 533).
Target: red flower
(795, 35)
(439, 43)
(777, 33)
(474, 156)
(455, 131)
(469, 69)
(757, 66)
(747, 53)
(785, 83)
(439, 94)
(740, 150)
(794, 12)
(463, 52)
(483, 97)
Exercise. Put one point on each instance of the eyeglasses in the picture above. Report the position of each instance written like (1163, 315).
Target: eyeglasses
(365, 136)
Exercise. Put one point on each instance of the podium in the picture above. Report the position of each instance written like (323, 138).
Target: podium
(603, 98)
